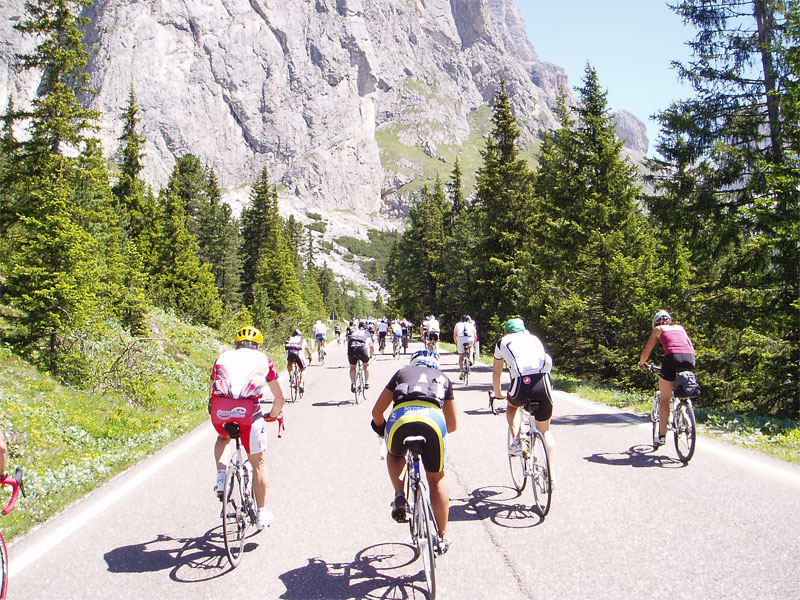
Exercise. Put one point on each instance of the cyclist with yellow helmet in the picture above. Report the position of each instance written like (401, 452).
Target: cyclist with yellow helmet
(238, 379)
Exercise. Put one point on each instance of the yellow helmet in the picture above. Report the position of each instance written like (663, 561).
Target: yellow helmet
(248, 333)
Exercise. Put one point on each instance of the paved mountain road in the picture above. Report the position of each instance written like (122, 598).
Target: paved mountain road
(626, 521)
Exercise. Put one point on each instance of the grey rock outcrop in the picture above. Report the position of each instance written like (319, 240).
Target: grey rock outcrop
(325, 93)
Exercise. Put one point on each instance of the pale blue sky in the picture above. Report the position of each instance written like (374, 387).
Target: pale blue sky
(630, 43)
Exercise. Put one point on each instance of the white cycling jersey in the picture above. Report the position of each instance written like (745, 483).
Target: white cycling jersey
(465, 330)
(524, 354)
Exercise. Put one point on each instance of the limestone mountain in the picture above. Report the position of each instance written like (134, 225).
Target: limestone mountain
(349, 103)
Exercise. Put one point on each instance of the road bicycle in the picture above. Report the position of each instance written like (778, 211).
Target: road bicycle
(466, 365)
(405, 342)
(681, 421)
(360, 390)
(531, 461)
(381, 342)
(17, 487)
(421, 520)
(295, 392)
(395, 347)
(238, 502)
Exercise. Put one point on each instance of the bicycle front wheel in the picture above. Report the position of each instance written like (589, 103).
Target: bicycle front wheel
(234, 520)
(293, 384)
(518, 466)
(654, 414)
(540, 475)
(3, 568)
(425, 540)
(685, 429)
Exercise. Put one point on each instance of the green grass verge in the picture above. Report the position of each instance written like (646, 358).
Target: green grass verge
(70, 441)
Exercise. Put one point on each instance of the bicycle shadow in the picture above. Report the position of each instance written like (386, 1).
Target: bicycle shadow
(499, 504)
(189, 560)
(368, 575)
(640, 456)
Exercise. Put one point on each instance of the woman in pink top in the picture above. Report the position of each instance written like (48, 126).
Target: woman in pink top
(678, 356)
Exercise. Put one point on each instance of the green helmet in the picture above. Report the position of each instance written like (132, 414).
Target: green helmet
(514, 325)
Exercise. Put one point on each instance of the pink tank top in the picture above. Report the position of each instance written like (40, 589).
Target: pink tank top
(675, 341)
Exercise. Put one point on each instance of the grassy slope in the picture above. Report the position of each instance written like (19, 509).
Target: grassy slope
(69, 442)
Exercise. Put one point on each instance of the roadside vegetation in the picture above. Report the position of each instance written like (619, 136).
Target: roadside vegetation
(779, 438)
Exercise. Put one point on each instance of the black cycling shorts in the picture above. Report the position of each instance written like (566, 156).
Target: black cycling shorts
(536, 388)
(675, 363)
(353, 354)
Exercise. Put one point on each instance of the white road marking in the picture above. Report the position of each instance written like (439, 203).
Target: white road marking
(38, 550)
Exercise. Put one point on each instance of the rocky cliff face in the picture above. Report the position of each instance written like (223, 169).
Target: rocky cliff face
(345, 101)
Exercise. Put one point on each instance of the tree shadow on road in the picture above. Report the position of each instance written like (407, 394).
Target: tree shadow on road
(378, 571)
(501, 505)
(639, 456)
(189, 560)
(598, 418)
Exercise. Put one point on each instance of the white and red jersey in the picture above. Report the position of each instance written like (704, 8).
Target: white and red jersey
(524, 354)
(242, 373)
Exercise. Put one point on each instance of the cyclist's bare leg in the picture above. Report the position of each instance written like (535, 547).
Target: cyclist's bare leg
(511, 417)
(665, 389)
(219, 451)
(549, 442)
(440, 500)
(259, 478)
(366, 371)
(352, 373)
(396, 465)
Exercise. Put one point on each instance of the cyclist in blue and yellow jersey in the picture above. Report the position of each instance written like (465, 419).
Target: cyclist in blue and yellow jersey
(422, 403)
(238, 379)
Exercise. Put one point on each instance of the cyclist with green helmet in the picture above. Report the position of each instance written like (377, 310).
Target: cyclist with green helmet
(529, 366)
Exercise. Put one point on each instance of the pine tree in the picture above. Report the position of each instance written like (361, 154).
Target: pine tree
(727, 187)
(256, 219)
(503, 206)
(593, 257)
(180, 281)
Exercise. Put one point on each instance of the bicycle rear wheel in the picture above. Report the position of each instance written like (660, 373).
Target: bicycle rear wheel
(234, 519)
(425, 540)
(685, 429)
(3, 568)
(293, 383)
(518, 466)
(654, 415)
(540, 474)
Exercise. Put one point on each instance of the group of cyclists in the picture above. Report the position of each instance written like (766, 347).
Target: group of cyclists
(419, 397)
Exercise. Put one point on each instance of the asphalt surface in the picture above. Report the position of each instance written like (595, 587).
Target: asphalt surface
(626, 521)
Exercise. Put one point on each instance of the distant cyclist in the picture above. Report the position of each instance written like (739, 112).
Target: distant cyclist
(297, 350)
(359, 345)
(464, 336)
(397, 335)
(530, 367)
(238, 379)
(320, 334)
(337, 330)
(421, 397)
(433, 333)
(678, 356)
(383, 328)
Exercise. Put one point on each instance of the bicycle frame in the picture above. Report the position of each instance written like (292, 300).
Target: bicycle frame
(422, 522)
(17, 487)
(681, 421)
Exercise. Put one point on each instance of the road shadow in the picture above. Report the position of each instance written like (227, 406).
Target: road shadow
(337, 402)
(639, 456)
(368, 575)
(188, 560)
(598, 418)
(502, 505)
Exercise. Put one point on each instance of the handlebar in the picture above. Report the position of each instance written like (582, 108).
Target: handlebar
(650, 367)
(279, 419)
(492, 398)
(16, 487)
